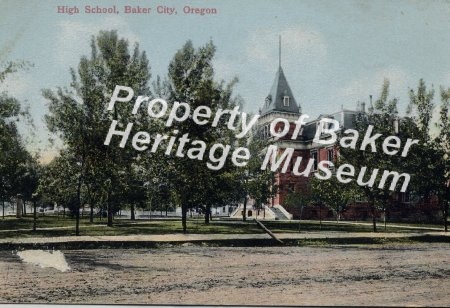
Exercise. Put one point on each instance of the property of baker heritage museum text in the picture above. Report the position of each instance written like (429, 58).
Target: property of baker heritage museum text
(239, 123)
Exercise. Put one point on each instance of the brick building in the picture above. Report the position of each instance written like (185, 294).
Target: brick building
(281, 103)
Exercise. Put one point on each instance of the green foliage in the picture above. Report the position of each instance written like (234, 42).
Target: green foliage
(252, 182)
(78, 115)
(383, 119)
(333, 193)
(191, 80)
(422, 102)
(18, 168)
(59, 181)
(427, 161)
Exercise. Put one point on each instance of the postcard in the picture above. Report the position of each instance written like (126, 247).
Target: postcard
(210, 152)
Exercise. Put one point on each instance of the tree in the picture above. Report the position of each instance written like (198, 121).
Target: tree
(297, 199)
(191, 80)
(333, 193)
(79, 116)
(428, 160)
(252, 182)
(443, 142)
(59, 181)
(383, 119)
(18, 168)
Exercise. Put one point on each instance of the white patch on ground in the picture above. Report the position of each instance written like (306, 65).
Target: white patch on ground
(43, 258)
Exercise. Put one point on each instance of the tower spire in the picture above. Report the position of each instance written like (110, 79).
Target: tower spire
(279, 51)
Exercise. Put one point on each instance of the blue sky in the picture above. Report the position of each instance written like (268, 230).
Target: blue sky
(334, 53)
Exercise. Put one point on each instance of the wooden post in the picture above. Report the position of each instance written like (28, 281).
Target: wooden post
(268, 231)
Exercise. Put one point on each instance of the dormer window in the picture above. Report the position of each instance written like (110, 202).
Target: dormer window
(268, 100)
(286, 101)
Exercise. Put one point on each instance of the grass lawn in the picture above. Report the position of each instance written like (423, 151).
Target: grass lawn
(163, 226)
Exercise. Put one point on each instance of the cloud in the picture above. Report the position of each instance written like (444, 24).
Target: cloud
(74, 37)
(359, 89)
(303, 55)
(298, 45)
(227, 69)
(446, 80)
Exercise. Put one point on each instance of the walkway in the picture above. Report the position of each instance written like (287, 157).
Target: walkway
(183, 238)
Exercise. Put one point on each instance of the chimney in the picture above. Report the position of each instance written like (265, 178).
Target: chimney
(363, 107)
(370, 109)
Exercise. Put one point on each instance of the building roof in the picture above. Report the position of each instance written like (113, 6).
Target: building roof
(275, 100)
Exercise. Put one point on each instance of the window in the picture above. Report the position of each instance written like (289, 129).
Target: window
(315, 157)
(405, 197)
(330, 154)
(267, 131)
(330, 158)
(291, 188)
(268, 100)
(286, 100)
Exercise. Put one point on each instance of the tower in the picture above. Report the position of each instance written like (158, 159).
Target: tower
(280, 98)
(281, 103)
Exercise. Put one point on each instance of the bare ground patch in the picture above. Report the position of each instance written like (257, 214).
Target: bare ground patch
(393, 274)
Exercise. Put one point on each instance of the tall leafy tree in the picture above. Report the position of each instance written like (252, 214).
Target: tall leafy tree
(18, 168)
(78, 114)
(427, 161)
(383, 119)
(252, 182)
(191, 80)
(333, 193)
(443, 142)
(58, 183)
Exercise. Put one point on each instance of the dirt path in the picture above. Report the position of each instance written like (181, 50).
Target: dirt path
(417, 274)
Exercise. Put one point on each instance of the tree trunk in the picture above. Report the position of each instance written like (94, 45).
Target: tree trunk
(445, 217)
(320, 215)
(184, 217)
(207, 214)
(78, 206)
(24, 208)
(300, 217)
(374, 221)
(77, 222)
(110, 214)
(91, 214)
(3, 207)
(34, 216)
(150, 209)
(110, 210)
(244, 212)
(132, 212)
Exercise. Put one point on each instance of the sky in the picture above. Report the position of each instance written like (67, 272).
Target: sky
(334, 53)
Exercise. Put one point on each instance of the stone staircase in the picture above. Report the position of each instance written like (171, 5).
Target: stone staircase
(279, 215)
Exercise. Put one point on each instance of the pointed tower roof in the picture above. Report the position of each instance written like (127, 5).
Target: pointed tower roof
(280, 97)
